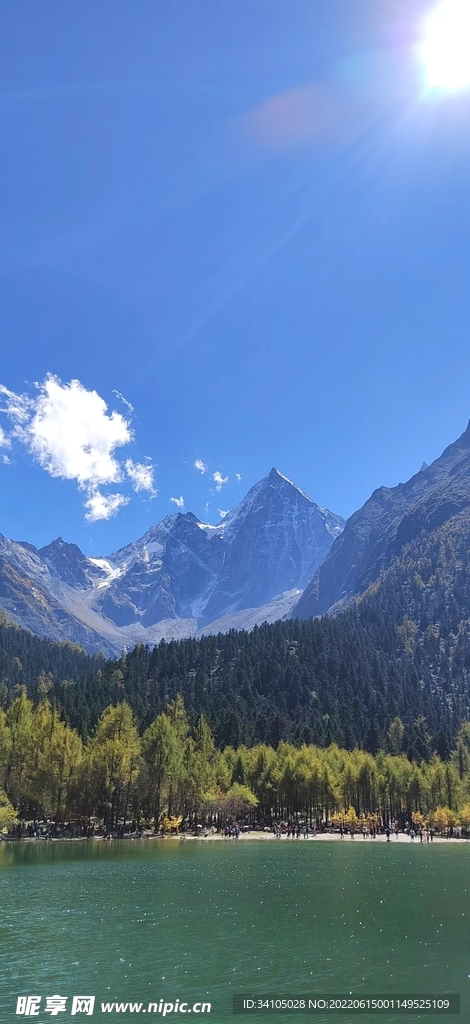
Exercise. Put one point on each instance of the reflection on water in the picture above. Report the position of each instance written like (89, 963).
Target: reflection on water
(149, 920)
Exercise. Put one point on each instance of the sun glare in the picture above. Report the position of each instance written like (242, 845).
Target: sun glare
(446, 47)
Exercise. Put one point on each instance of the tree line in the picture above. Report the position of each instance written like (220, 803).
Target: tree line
(171, 771)
(401, 651)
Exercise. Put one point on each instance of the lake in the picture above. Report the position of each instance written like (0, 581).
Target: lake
(151, 920)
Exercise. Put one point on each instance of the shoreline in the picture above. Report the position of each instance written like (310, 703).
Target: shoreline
(331, 837)
(245, 836)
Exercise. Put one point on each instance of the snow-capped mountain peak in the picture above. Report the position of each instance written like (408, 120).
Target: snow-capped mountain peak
(183, 575)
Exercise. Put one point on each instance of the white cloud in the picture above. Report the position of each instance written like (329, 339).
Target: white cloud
(206, 508)
(141, 476)
(70, 433)
(219, 480)
(6, 460)
(124, 400)
(17, 407)
(238, 477)
(73, 436)
(201, 466)
(223, 512)
(4, 440)
(179, 502)
(103, 506)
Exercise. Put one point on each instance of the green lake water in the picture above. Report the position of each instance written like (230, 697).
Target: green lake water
(141, 921)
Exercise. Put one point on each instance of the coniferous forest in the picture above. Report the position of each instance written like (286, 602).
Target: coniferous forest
(388, 676)
(174, 773)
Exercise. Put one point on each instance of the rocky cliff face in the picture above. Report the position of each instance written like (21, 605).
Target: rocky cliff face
(67, 563)
(390, 519)
(182, 577)
(31, 595)
(267, 544)
(183, 568)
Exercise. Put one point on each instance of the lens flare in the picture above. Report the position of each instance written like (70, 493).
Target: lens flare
(446, 48)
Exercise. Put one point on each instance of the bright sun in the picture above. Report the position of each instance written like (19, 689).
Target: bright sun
(446, 47)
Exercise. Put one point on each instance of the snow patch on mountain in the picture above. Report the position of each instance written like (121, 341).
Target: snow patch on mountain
(182, 577)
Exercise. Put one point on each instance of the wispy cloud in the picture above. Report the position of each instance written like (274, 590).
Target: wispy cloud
(238, 477)
(201, 466)
(4, 440)
(219, 480)
(6, 460)
(141, 475)
(72, 436)
(179, 502)
(15, 406)
(123, 400)
(103, 506)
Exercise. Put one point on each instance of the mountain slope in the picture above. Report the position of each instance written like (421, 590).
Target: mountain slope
(182, 577)
(269, 542)
(31, 596)
(390, 519)
(182, 568)
(391, 671)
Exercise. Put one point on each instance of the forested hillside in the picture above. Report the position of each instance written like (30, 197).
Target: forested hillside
(174, 772)
(390, 519)
(402, 651)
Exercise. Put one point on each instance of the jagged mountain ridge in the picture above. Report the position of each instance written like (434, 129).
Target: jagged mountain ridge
(182, 577)
(386, 523)
(187, 569)
(401, 649)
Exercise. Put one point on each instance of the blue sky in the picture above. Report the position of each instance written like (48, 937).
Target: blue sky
(248, 220)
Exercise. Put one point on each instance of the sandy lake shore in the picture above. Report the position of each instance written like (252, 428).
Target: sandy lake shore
(327, 837)
(263, 837)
